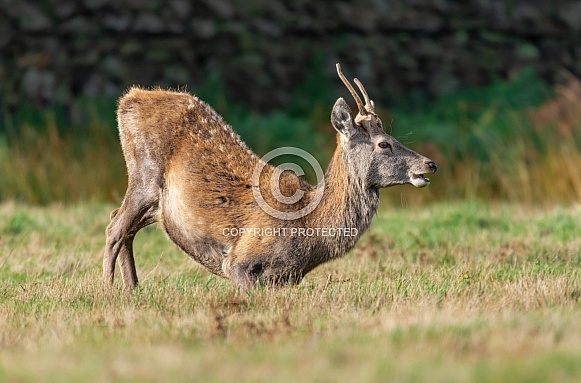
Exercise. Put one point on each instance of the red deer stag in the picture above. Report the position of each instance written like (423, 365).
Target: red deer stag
(215, 198)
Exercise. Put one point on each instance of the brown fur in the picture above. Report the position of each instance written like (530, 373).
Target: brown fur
(190, 172)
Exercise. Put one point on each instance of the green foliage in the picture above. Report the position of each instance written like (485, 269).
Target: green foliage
(312, 98)
(483, 140)
(19, 224)
(473, 122)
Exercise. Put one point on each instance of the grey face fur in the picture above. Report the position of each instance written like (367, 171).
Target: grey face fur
(376, 155)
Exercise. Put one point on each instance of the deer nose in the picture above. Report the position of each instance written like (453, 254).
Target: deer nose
(433, 166)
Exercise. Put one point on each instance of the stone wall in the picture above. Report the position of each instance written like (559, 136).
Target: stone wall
(55, 50)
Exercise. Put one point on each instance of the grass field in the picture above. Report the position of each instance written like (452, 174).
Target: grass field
(449, 292)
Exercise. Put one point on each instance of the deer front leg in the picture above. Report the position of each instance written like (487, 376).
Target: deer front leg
(255, 270)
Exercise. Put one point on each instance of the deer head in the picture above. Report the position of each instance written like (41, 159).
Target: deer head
(372, 153)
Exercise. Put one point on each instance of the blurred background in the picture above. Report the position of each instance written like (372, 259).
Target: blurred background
(488, 89)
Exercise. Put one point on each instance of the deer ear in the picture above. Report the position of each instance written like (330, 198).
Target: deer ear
(342, 119)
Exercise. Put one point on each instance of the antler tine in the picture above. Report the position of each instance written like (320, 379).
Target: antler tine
(368, 104)
(360, 106)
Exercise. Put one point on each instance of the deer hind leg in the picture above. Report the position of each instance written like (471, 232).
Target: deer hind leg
(137, 211)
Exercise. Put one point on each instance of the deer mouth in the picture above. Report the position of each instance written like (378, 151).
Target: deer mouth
(419, 181)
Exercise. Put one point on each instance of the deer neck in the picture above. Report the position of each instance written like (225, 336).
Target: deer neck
(347, 203)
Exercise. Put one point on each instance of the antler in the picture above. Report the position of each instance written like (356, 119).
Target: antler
(362, 110)
(368, 103)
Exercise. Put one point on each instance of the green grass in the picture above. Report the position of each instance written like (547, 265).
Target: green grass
(445, 293)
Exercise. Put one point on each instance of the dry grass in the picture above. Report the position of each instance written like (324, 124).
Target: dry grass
(44, 166)
(497, 151)
(486, 148)
(452, 293)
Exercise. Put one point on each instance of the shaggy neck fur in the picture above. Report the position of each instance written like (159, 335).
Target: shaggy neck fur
(347, 202)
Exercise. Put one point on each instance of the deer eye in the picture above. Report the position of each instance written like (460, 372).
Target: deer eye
(385, 145)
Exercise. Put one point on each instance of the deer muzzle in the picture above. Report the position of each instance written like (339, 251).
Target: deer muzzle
(419, 180)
